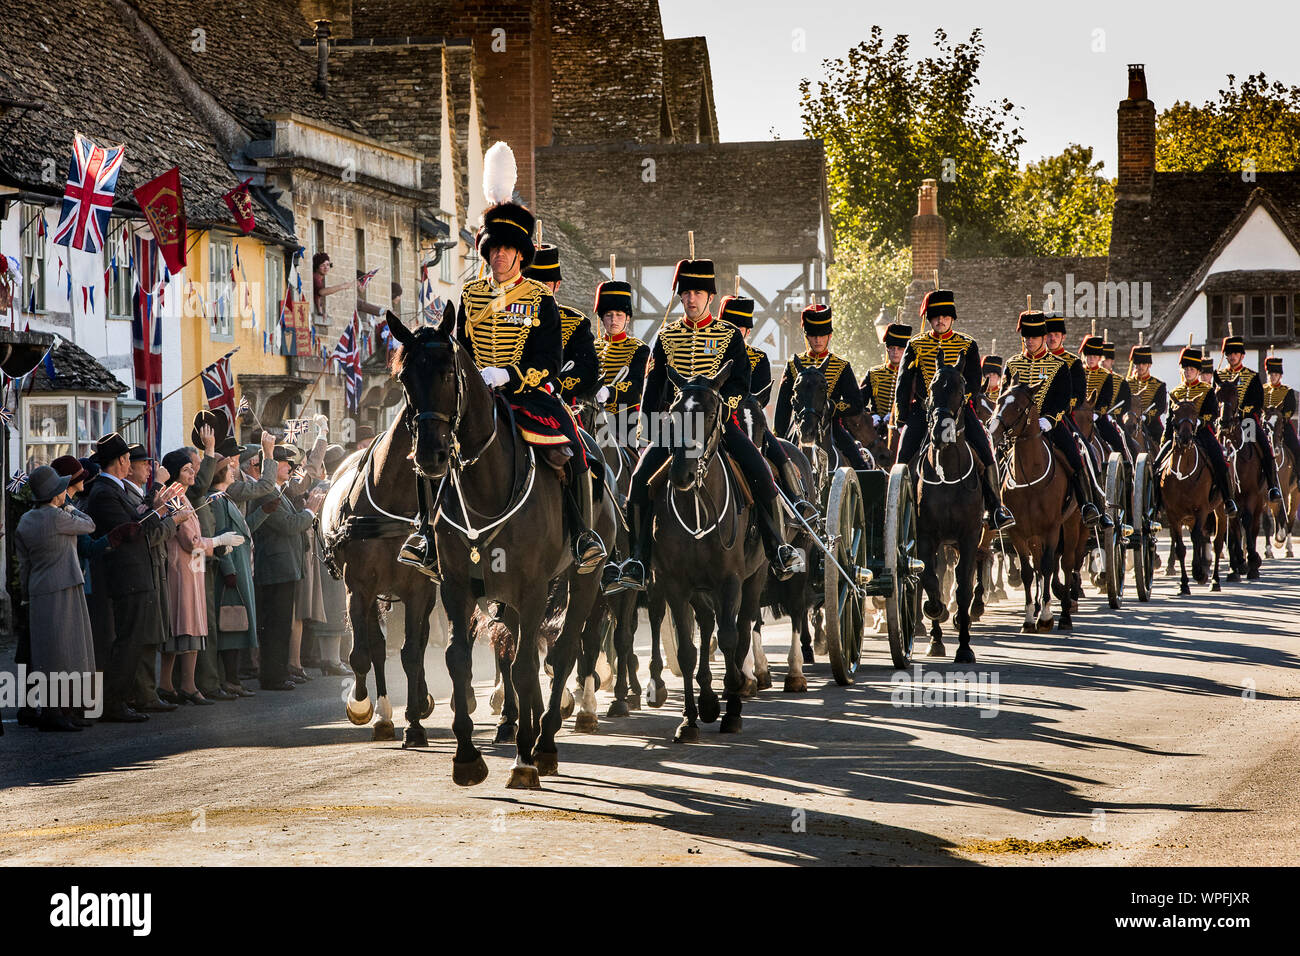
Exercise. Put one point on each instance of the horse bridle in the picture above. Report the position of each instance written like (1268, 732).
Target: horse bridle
(453, 421)
(715, 432)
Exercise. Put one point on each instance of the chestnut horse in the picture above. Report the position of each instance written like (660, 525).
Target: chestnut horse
(1284, 511)
(1190, 497)
(1237, 434)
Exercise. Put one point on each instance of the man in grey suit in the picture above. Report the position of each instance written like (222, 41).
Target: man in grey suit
(127, 569)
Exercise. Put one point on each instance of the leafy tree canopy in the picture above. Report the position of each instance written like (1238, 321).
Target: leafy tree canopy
(1254, 125)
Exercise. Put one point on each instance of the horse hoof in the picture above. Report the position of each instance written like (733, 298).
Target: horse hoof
(686, 734)
(730, 724)
(935, 611)
(1214, 586)
(618, 708)
(1233, 578)
(1028, 629)
(1065, 624)
(1252, 575)
(765, 680)
(709, 708)
(428, 706)
(1045, 626)
(524, 778)
(497, 699)
(795, 683)
(1183, 589)
(749, 688)
(414, 736)
(360, 711)
(964, 655)
(567, 704)
(470, 773)
(548, 765)
(633, 701)
(384, 730)
(506, 734)
(658, 694)
(936, 650)
(977, 610)
(586, 723)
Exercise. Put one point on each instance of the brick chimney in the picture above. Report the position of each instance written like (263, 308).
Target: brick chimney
(929, 232)
(322, 84)
(1137, 139)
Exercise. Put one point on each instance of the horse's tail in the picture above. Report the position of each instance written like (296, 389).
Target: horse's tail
(557, 602)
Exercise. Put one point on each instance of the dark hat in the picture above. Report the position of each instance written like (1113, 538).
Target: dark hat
(229, 447)
(897, 335)
(1189, 357)
(613, 296)
(1273, 364)
(1030, 324)
(69, 467)
(289, 453)
(992, 363)
(44, 483)
(174, 461)
(1139, 355)
(110, 448)
(1233, 343)
(334, 456)
(545, 266)
(1108, 350)
(738, 311)
(1207, 363)
(1091, 345)
(1053, 322)
(139, 453)
(92, 469)
(816, 319)
(248, 453)
(939, 302)
(694, 274)
(365, 431)
(216, 418)
(507, 224)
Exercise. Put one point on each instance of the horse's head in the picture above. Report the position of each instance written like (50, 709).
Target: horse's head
(1014, 414)
(944, 405)
(1229, 408)
(811, 403)
(698, 414)
(1185, 419)
(428, 368)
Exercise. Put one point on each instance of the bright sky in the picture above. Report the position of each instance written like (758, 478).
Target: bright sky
(1039, 55)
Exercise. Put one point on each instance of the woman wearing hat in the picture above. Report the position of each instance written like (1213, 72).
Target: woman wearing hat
(52, 580)
(1250, 400)
(232, 584)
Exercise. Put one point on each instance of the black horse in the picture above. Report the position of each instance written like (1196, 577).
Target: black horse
(501, 543)
(950, 508)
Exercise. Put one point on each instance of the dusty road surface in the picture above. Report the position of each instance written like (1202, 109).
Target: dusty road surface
(1166, 733)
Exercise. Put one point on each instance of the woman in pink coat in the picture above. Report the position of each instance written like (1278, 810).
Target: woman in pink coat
(186, 551)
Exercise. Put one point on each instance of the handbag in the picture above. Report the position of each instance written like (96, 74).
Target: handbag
(232, 617)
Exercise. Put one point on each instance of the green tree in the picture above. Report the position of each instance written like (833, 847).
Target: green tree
(866, 276)
(1061, 205)
(1252, 126)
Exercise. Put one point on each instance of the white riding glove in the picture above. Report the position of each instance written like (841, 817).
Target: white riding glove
(495, 377)
(1044, 425)
(231, 539)
(876, 420)
(602, 394)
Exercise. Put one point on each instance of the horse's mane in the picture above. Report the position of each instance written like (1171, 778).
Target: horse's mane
(425, 335)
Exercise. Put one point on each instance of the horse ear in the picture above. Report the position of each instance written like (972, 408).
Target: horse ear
(821, 367)
(676, 377)
(448, 323)
(724, 373)
(398, 330)
(798, 366)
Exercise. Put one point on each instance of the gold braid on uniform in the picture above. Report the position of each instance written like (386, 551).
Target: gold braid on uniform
(1094, 380)
(1143, 392)
(694, 351)
(882, 380)
(833, 369)
(927, 348)
(1194, 393)
(499, 335)
(614, 357)
(1037, 373)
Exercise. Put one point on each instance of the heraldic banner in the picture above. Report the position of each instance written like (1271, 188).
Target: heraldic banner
(164, 208)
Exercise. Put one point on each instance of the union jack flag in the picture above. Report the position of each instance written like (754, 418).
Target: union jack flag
(219, 386)
(88, 196)
(244, 407)
(366, 277)
(294, 428)
(348, 354)
(298, 474)
(6, 416)
(16, 483)
(146, 339)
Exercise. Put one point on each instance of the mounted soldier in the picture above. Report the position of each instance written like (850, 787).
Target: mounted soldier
(1279, 399)
(841, 385)
(1150, 398)
(1123, 397)
(1052, 382)
(511, 327)
(1054, 340)
(881, 381)
(699, 345)
(620, 391)
(921, 359)
(1250, 399)
(1200, 394)
(1102, 391)
(579, 373)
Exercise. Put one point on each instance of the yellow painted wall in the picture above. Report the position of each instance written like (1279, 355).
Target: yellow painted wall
(198, 348)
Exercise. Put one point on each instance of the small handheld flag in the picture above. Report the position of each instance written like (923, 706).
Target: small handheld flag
(16, 483)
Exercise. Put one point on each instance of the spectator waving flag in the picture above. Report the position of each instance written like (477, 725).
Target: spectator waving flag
(219, 386)
(364, 279)
(348, 354)
(294, 428)
(16, 483)
(6, 416)
(88, 195)
(146, 338)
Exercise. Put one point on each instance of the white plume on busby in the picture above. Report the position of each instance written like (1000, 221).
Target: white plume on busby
(500, 172)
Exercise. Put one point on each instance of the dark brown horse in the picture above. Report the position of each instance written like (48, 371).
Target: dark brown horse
(1283, 513)
(1191, 498)
(1237, 435)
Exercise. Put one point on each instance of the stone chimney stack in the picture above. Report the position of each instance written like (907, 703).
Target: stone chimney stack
(929, 232)
(1137, 139)
(322, 57)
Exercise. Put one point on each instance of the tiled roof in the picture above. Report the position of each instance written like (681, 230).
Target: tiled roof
(747, 201)
(75, 370)
(606, 71)
(688, 82)
(88, 68)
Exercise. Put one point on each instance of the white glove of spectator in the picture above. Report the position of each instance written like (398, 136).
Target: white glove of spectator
(1044, 424)
(495, 377)
(323, 424)
(230, 539)
(602, 394)
(876, 420)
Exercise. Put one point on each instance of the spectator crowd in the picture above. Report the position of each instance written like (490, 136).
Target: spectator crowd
(181, 580)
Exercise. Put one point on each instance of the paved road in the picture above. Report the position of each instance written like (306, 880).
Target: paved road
(1165, 734)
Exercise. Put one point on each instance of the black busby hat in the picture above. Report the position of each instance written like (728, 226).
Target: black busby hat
(110, 448)
(1273, 364)
(1233, 343)
(1139, 355)
(1108, 350)
(613, 296)
(1053, 322)
(1030, 324)
(1091, 345)
(738, 311)
(545, 266)
(1207, 363)
(992, 363)
(214, 417)
(939, 302)
(505, 223)
(816, 320)
(1189, 357)
(897, 335)
(694, 274)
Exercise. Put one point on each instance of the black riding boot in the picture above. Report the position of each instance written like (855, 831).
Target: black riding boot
(1270, 466)
(784, 559)
(588, 549)
(419, 551)
(794, 487)
(1094, 513)
(996, 515)
(635, 571)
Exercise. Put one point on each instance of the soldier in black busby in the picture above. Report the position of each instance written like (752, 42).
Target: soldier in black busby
(1200, 393)
(1250, 401)
(579, 374)
(1280, 399)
